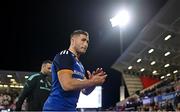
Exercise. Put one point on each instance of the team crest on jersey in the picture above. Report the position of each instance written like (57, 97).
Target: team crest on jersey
(78, 73)
(80, 66)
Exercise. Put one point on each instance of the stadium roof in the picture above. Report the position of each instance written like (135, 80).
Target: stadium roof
(160, 37)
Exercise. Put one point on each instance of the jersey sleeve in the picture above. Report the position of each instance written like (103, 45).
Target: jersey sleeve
(27, 90)
(63, 61)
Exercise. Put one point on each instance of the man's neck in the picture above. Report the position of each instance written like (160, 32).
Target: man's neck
(74, 52)
(43, 73)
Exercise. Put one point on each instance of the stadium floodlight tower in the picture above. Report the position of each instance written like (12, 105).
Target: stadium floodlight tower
(121, 19)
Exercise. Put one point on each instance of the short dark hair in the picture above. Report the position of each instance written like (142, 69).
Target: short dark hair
(46, 62)
(78, 32)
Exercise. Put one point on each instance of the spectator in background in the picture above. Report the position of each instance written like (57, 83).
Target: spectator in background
(169, 106)
(178, 107)
(177, 100)
(36, 89)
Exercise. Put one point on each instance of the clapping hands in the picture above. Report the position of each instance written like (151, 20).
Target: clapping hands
(97, 77)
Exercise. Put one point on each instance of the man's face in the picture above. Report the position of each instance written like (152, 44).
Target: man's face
(47, 68)
(81, 43)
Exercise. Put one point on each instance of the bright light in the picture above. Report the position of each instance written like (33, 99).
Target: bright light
(21, 86)
(153, 62)
(130, 67)
(168, 74)
(175, 71)
(16, 86)
(166, 65)
(150, 51)
(167, 37)
(11, 85)
(121, 19)
(9, 75)
(154, 71)
(12, 80)
(26, 77)
(139, 60)
(162, 77)
(5, 85)
(167, 53)
(142, 69)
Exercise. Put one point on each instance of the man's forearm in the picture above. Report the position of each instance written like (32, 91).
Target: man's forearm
(19, 103)
(75, 84)
(22, 96)
(69, 83)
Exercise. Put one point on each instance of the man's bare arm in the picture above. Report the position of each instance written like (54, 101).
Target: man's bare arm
(69, 83)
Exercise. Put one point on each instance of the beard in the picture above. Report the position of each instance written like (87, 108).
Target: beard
(81, 51)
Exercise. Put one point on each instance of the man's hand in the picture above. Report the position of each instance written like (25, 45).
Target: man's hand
(90, 75)
(97, 77)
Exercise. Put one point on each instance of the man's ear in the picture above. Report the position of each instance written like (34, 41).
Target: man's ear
(44, 65)
(72, 40)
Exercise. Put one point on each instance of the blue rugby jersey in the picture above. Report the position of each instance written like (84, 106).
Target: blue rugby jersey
(58, 98)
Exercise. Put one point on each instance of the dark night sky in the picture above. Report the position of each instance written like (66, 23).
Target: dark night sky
(35, 30)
